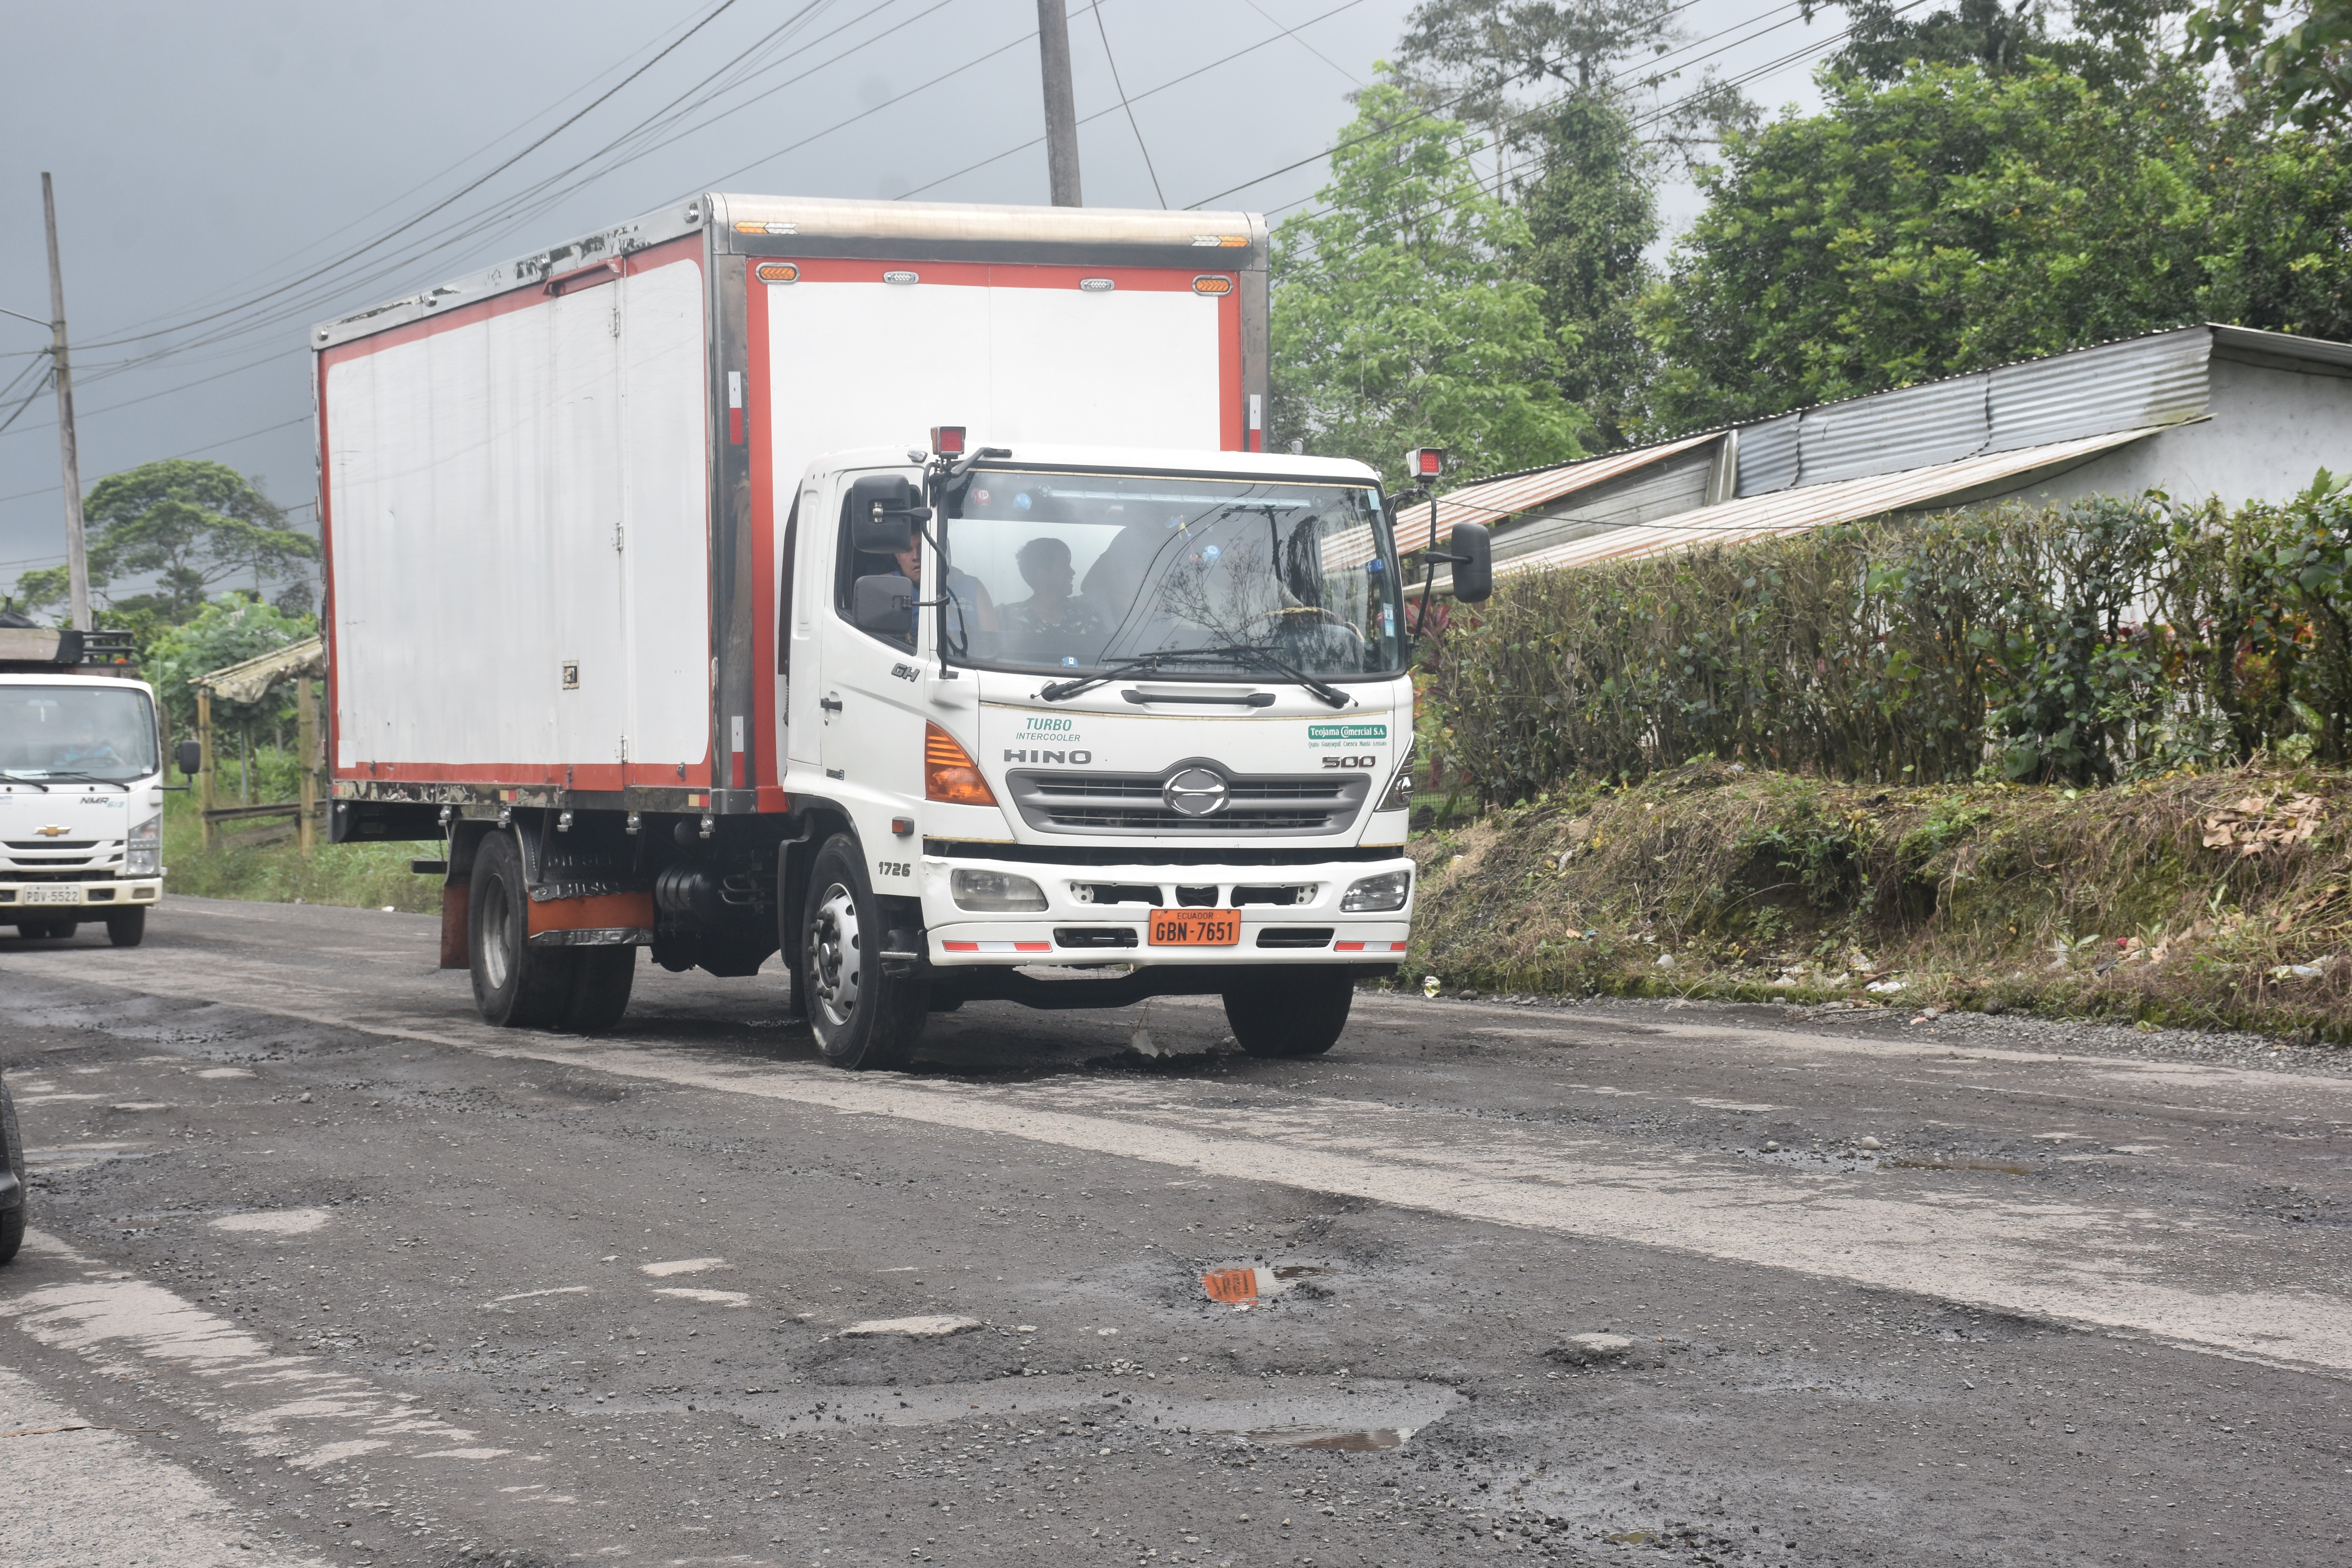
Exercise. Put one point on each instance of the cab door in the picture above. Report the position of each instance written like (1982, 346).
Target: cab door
(868, 694)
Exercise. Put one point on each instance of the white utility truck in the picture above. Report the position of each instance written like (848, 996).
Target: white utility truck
(900, 586)
(81, 775)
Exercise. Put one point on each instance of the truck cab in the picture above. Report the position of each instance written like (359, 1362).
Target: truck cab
(81, 808)
(1140, 716)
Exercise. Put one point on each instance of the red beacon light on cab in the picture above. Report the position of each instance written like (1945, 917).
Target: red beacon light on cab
(947, 440)
(1426, 463)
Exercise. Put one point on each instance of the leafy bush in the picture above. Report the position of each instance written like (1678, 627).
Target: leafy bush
(2077, 644)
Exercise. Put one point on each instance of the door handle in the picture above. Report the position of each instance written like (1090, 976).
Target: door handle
(830, 704)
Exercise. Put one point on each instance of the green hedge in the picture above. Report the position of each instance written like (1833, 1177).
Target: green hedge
(2077, 644)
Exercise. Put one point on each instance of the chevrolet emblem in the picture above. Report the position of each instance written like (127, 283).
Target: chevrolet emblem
(51, 832)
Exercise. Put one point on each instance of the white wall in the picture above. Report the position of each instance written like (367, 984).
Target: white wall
(2268, 430)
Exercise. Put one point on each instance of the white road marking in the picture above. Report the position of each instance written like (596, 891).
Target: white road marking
(683, 1265)
(2104, 1265)
(689, 1293)
(529, 1295)
(290, 1407)
(81, 1498)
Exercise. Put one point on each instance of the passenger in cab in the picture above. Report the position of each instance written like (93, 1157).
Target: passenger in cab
(1051, 609)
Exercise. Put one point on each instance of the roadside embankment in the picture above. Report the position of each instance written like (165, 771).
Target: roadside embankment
(2209, 899)
(260, 861)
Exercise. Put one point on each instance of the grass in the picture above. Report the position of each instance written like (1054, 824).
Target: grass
(260, 861)
(1713, 880)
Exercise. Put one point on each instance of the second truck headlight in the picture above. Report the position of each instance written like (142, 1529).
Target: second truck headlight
(1369, 895)
(142, 853)
(994, 892)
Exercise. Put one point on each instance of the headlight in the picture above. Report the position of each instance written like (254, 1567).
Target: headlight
(143, 856)
(994, 891)
(1400, 795)
(1372, 894)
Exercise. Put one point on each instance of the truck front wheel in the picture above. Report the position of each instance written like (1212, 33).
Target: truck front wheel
(126, 928)
(515, 984)
(1289, 1010)
(862, 1018)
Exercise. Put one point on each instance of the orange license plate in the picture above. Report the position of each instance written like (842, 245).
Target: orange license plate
(1195, 927)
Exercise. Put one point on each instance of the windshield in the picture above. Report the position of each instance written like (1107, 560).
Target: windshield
(1077, 572)
(76, 732)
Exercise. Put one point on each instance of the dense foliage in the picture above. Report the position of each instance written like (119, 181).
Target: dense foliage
(2013, 642)
(187, 527)
(1399, 324)
(1958, 219)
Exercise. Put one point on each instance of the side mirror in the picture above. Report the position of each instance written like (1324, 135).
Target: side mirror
(884, 605)
(883, 510)
(1474, 563)
(190, 755)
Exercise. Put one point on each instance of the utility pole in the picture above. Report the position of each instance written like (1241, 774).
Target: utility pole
(69, 454)
(1061, 106)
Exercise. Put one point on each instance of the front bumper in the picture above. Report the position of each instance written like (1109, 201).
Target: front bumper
(75, 900)
(1074, 929)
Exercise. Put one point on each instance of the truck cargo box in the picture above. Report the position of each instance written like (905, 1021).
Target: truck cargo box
(554, 494)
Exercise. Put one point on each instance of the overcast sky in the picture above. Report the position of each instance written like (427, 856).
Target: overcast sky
(211, 157)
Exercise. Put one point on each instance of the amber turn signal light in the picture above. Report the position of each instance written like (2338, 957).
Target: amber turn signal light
(949, 772)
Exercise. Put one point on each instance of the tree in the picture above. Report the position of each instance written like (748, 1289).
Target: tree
(224, 632)
(2303, 69)
(1592, 212)
(191, 526)
(1957, 218)
(1396, 322)
(2107, 42)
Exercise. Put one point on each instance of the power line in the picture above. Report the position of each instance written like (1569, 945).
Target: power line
(470, 187)
(1112, 62)
(1163, 87)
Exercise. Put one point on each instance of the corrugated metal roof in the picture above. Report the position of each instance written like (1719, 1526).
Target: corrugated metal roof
(2156, 380)
(1816, 506)
(1491, 501)
(1939, 422)
(249, 680)
(1768, 454)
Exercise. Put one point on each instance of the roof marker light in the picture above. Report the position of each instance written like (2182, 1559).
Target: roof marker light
(1097, 285)
(902, 278)
(777, 272)
(1213, 283)
(1425, 462)
(947, 440)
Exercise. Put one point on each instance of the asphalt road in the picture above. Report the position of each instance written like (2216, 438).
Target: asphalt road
(324, 1269)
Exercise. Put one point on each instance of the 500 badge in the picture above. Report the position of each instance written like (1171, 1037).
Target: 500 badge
(1351, 762)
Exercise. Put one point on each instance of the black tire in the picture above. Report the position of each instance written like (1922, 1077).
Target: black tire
(601, 980)
(516, 985)
(1290, 1010)
(863, 1019)
(126, 928)
(11, 1221)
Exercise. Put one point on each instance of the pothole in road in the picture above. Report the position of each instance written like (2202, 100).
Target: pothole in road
(1364, 1415)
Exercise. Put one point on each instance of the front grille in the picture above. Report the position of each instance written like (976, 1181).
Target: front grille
(1294, 936)
(1130, 802)
(53, 843)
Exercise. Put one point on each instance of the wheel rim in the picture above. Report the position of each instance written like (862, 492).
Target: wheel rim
(498, 931)
(835, 964)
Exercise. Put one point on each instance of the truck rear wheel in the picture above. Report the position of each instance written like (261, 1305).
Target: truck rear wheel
(12, 1149)
(1289, 1010)
(601, 980)
(126, 928)
(516, 984)
(862, 1018)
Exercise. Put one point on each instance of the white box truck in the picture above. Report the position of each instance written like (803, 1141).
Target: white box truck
(81, 781)
(902, 587)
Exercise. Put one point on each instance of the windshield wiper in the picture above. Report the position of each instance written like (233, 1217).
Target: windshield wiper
(12, 778)
(1323, 690)
(71, 778)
